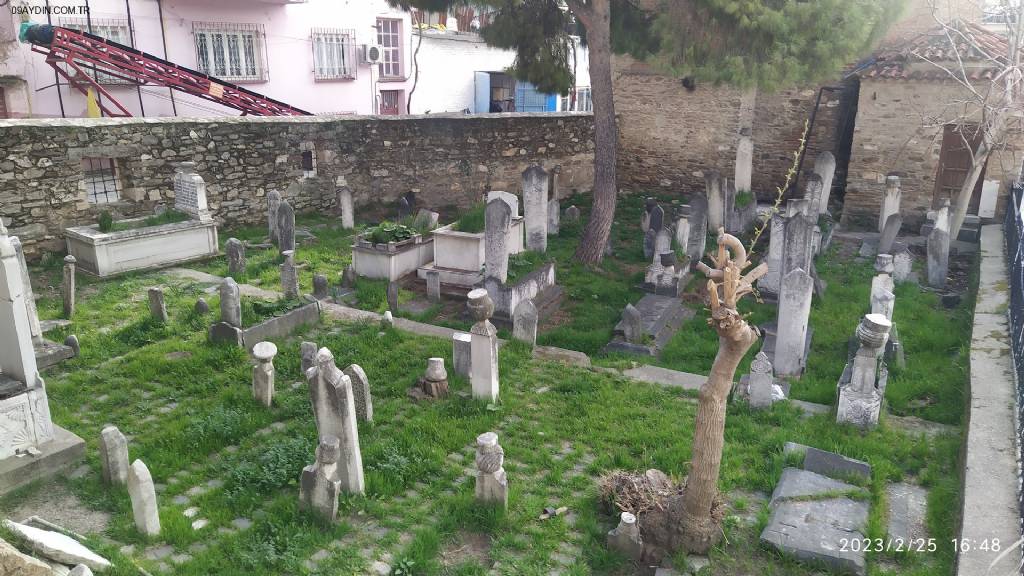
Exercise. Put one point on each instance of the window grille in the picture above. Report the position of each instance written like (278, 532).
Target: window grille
(115, 30)
(101, 183)
(391, 102)
(231, 51)
(334, 54)
(389, 36)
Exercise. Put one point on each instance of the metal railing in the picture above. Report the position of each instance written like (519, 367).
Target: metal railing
(1013, 234)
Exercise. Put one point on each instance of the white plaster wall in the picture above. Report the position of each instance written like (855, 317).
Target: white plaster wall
(288, 48)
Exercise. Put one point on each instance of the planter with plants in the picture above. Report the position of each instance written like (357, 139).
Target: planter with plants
(115, 246)
(459, 248)
(391, 250)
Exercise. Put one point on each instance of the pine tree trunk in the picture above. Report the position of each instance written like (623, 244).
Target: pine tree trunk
(701, 525)
(599, 226)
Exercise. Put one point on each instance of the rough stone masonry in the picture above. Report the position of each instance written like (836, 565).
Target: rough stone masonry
(445, 159)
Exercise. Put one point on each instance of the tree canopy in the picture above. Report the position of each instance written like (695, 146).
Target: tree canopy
(768, 43)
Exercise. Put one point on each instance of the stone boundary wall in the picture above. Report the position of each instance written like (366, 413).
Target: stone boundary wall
(446, 159)
(990, 478)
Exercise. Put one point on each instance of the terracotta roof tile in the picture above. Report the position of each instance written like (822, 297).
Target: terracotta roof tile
(910, 60)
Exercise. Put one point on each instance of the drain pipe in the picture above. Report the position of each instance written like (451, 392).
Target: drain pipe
(163, 37)
(810, 130)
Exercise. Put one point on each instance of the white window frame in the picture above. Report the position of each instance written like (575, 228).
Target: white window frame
(584, 100)
(241, 47)
(334, 54)
(389, 37)
(115, 30)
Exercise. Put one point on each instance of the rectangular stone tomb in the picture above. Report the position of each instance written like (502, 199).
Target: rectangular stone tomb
(393, 260)
(108, 253)
(538, 286)
(661, 317)
(274, 328)
(770, 330)
(459, 256)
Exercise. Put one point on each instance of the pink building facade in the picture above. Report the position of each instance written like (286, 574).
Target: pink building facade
(309, 54)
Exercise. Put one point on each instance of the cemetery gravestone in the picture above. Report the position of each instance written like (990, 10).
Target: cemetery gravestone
(497, 220)
(360, 392)
(554, 212)
(143, 496)
(346, 207)
(761, 382)
(236, 257)
(321, 289)
(157, 306)
(938, 249)
(462, 354)
(335, 414)
(285, 227)
(825, 168)
(319, 486)
(572, 214)
(890, 231)
(392, 296)
(535, 208)
(434, 383)
(483, 346)
(433, 285)
(794, 309)
(491, 481)
(263, 373)
(716, 200)
(524, 322)
(307, 356)
(273, 204)
(190, 192)
(289, 275)
(860, 397)
(744, 163)
(68, 286)
(113, 450)
(508, 198)
(890, 200)
(632, 322)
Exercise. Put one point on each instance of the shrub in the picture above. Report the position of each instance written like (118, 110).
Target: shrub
(276, 465)
(471, 221)
(105, 221)
(389, 232)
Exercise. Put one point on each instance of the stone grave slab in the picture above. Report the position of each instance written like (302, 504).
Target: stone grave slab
(797, 483)
(908, 505)
(813, 531)
(834, 465)
(661, 317)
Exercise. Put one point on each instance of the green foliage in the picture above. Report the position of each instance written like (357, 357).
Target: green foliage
(223, 425)
(472, 220)
(744, 198)
(521, 264)
(536, 31)
(389, 232)
(278, 464)
(105, 221)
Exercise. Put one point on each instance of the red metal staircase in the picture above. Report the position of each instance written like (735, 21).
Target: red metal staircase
(73, 54)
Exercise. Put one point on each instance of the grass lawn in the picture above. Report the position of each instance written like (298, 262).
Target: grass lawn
(188, 410)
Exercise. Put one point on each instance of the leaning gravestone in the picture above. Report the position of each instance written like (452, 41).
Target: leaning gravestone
(236, 257)
(497, 221)
(825, 168)
(346, 207)
(425, 220)
(157, 306)
(273, 204)
(143, 495)
(535, 208)
(813, 191)
(307, 356)
(716, 200)
(334, 410)
(113, 450)
(657, 218)
(633, 326)
(772, 281)
(554, 213)
(361, 392)
(285, 227)
(890, 230)
(524, 322)
(890, 200)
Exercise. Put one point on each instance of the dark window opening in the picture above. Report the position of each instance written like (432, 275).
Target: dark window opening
(307, 161)
(101, 183)
(3, 104)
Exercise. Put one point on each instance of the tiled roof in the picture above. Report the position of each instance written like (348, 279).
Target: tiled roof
(981, 51)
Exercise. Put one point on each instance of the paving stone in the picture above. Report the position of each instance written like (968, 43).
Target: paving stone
(180, 558)
(191, 512)
(320, 555)
(242, 523)
(380, 568)
(180, 500)
(158, 552)
(200, 524)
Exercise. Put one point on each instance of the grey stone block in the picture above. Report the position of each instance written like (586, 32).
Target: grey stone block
(816, 531)
(835, 466)
(796, 483)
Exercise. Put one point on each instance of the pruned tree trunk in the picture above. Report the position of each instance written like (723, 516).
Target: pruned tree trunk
(596, 18)
(702, 507)
(991, 134)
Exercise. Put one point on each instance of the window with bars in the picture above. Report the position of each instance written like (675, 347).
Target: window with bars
(230, 51)
(389, 36)
(115, 30)
(392, 102)
(334, 54)
(102, 185)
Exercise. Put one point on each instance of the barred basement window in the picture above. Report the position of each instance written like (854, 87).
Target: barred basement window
(230, 51)
(334, 54)
(102, 185)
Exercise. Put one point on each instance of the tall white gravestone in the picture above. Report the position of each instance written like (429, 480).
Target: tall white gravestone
(497, 221)
(890, 200)
(825, 168)
(190, 192)
(345, 206)
(938, 249)
(143, 495)
(794, 311)
(535, 208)
(744, 163)
(483, 347)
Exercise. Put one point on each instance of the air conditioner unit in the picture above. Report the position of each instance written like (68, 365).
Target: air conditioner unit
(372, 54)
